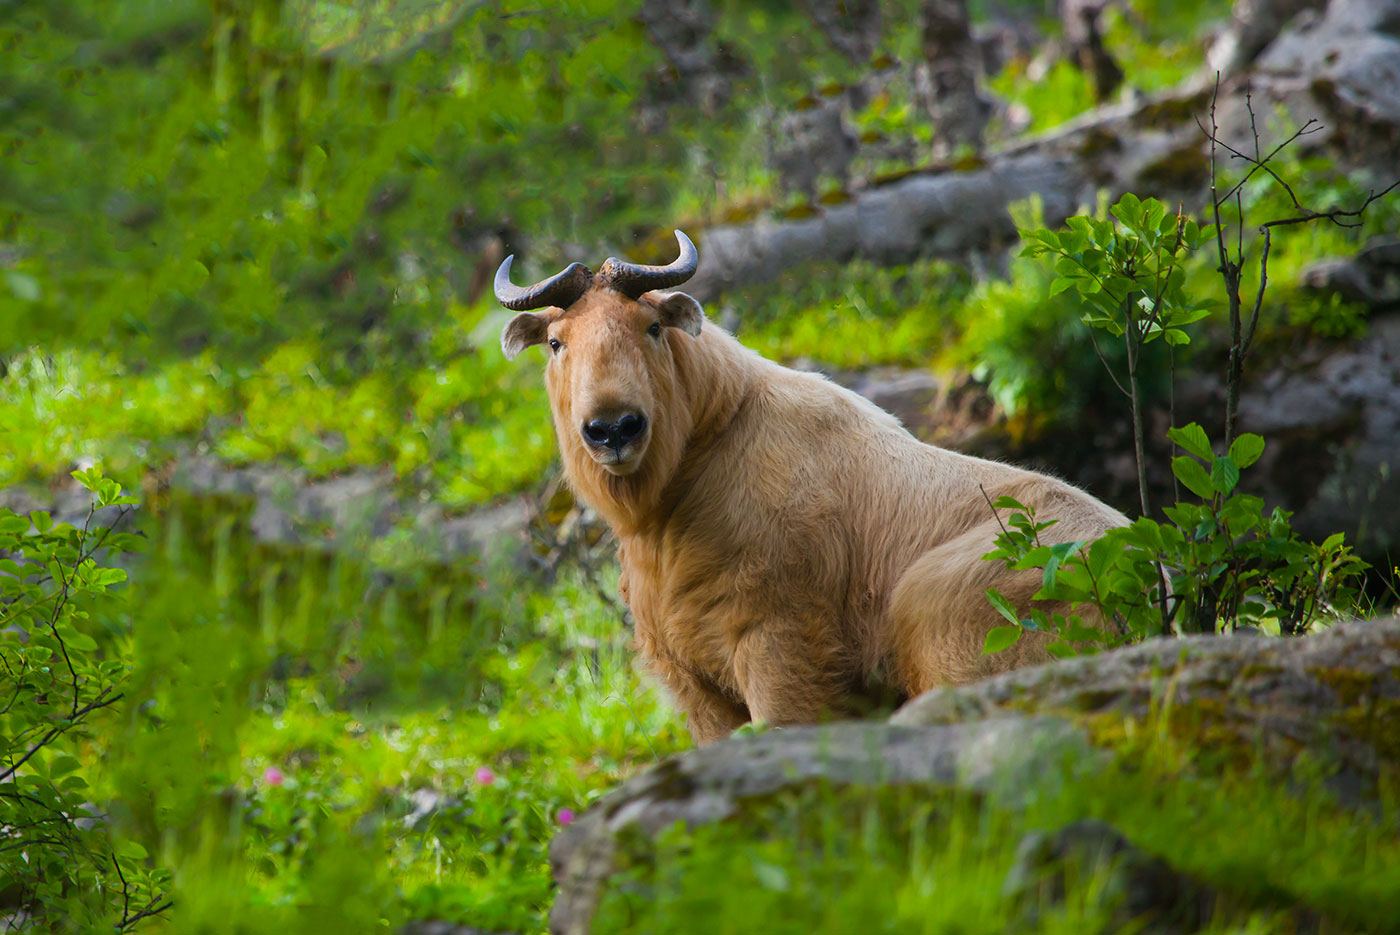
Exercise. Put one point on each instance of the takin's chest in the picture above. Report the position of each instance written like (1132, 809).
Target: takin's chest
(694, 601)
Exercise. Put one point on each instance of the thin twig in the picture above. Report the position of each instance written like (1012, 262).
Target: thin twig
(1103, 360)
(991, 507)
(1336, 214)
(155, 908)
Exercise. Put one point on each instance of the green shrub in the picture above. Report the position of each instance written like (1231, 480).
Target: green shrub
(1219, 563)
(62, 676)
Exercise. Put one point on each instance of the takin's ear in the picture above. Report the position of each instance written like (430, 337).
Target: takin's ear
(524, 330)
(678, 310)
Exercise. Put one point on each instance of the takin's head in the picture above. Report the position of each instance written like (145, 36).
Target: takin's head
(612, 340)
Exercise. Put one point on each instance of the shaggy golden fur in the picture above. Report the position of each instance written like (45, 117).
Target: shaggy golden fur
(787, 548)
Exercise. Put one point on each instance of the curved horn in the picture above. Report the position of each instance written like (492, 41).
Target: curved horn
(632, 279)
(562, 289)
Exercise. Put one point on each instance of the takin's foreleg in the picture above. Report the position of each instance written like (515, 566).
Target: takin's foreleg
(710, 714)
(940, 615)
(792, 673)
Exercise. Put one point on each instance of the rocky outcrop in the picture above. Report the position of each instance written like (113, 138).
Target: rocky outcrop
(1331, 418)
(722, 783)
(1251, 701)
(1146, 893)
(1371, 277)
(1335, 694)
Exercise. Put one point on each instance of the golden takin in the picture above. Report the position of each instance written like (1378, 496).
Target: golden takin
(789, 551)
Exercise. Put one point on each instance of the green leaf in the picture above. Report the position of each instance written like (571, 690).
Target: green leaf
(1193, 438)
(75, 641)
(63, 765)
(1101, 555)
(10, 523)
(1003, 606)
(1246, 449)
(1060, 285)
(1061, 650)
(1190, 473)
(1155, 214)
(1000, 638)
(1010, 503)
(1224, 475)
(129, 849)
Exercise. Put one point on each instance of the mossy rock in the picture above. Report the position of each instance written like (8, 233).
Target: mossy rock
(1214, 712)
(1334, 695)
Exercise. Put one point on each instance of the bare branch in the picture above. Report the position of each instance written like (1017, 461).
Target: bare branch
(1336, 214)
(995, 515)
(1263, 284)
(1109, 370)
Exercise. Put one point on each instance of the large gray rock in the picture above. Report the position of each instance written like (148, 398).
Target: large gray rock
(1333, 696)
(719, 782)
(1332, 425)
(1140, 891)
(287, 507)
(942, 214)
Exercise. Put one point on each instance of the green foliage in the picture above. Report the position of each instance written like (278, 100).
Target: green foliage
(1155, 46)
(62, 674)
(1127, 270)
(1219, 563)
(857, 315)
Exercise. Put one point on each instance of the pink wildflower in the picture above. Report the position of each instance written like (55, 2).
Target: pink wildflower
(272, 776)
(566, 816)
(484, 776)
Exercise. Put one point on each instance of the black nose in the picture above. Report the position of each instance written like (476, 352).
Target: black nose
(600, 432)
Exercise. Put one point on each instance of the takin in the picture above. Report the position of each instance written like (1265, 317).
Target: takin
(788, 550)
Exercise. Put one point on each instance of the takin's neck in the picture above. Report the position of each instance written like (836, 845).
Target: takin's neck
(714, 375)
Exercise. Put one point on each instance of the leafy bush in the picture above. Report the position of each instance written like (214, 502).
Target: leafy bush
(59, 852)
(1218, 564)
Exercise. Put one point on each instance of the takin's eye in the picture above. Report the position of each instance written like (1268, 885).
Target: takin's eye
(655, 329)
(554, 345)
